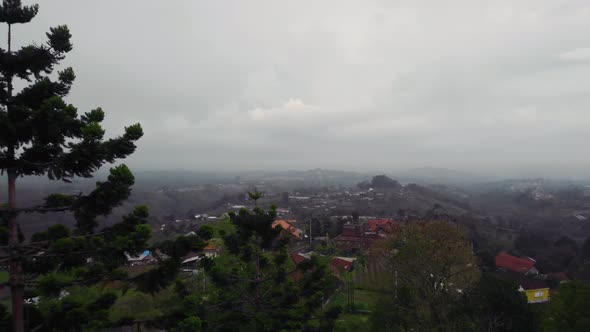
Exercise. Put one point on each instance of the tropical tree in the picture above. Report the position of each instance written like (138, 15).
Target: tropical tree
(255, 196)
(42, 135)
(569, 309)
(428, 266)
(495, 304)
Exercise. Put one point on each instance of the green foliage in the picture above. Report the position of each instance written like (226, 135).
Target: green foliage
(255, 224)
(154, 280)
(42, 135)
(426, 265)
(223, 227)
(134, 305)
(255, 196)
(59, 200)
(80, 309)
(569, 309)
(12, 12)
(5, 323)
(189, 324)
(206, 232)
(250, 287)
(395, 311)
(52, 284)
(352, 323)
(495, 304)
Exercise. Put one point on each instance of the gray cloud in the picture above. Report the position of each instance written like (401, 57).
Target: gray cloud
(497, 87)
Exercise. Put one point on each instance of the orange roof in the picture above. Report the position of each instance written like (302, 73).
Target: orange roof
(287, 227)
(210, 246)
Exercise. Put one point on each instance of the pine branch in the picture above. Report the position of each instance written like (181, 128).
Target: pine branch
(35, 209)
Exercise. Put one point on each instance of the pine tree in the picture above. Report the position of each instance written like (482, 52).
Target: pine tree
(42, 135)
(253, 284)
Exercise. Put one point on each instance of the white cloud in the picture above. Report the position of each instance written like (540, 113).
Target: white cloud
(577, 54)
(420, 82)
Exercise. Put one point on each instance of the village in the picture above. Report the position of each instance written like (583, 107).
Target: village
(346, 252)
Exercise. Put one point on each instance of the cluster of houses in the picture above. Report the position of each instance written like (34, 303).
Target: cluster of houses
(360, 236)
(524, 272)
(338, 265)
(189, 261)
(288, 228)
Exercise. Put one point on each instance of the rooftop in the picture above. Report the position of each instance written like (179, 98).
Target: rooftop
(512, 263)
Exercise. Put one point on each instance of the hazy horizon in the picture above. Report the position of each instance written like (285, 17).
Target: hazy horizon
(375, 86)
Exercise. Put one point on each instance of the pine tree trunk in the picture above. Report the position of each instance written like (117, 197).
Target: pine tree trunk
(17, 289)
(16, 284)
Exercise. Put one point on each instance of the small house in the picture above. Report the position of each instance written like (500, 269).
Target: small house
(525, 266)
(536, 291)
(211, 250)
(144, 258)
(342, 264)
(288, 228)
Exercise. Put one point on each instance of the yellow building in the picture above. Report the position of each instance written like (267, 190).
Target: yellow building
(536, 291)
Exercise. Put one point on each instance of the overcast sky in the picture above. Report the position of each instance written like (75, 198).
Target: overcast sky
(497, 87)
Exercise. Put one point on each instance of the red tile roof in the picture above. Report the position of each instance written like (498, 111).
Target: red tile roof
(512, 263)
(298, 258)
(342, 263)
(287, 227)
(386, 225)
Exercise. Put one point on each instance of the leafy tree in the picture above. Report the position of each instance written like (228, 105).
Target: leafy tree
(205, 232)
(569, 309)
(42, 135)
(395, 311)
(82, 307)
(495, 304)
(434, 263)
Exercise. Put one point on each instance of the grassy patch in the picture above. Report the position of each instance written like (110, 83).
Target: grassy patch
(223, 227)
(137, 305)
(363, 299)
(349, 322)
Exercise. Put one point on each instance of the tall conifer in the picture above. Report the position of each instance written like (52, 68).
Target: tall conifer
(42, 135)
